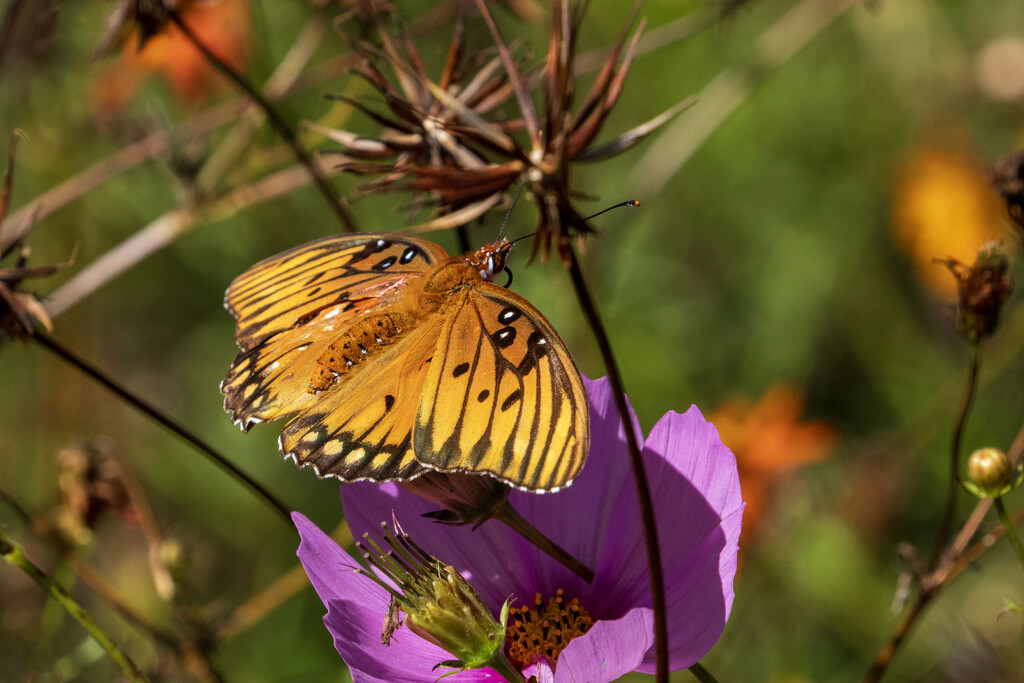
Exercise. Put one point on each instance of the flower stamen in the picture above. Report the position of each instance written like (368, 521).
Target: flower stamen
(545, 630)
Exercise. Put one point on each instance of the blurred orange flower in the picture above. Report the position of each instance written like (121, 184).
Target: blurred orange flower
(769, 440)
(943, 207)
(224, 26)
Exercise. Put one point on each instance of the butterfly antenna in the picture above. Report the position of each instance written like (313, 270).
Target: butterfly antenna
(509, 212)
(628, 202)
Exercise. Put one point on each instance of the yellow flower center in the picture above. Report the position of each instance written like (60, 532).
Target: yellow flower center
(543, 631)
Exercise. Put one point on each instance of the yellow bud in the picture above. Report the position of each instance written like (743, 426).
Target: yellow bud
(991, 471)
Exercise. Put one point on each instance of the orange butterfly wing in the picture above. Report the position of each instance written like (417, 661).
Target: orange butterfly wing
(362, 429)
(482, 384)
(503, 395)
(290, 307)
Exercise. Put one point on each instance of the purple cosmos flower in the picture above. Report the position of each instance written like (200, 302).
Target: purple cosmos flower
(697, 504)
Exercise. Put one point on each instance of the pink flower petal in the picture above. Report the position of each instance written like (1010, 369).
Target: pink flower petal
(608, 650)
(693, 478)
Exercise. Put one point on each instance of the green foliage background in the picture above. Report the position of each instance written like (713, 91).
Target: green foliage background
(767, 256)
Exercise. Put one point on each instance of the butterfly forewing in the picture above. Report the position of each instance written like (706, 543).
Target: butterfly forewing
(290, 307)
(502, 395)
(284, 291)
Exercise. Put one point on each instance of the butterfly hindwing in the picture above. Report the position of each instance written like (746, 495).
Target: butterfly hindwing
(362, 429)
(502, 395)
(270, 380)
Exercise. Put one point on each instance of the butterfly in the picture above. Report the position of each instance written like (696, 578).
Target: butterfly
(395, 359)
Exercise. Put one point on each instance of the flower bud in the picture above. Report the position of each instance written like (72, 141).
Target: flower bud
(990, 473)
(440, 605)
(469, 498)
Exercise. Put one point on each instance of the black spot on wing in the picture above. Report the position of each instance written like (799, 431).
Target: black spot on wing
(460, 369)
(504, 337)
(536, 348)
(409, 254)
(509, 315)
(384, 264)
(512, 399)
(482, 396)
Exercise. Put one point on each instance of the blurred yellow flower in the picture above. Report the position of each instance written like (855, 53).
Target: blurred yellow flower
(943, 207)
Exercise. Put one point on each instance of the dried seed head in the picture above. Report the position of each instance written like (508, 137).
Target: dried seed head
(444, 142)
(21, 313)
(982, 289)
(1007, 177)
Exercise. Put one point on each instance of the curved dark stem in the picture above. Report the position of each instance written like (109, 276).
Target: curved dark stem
(702, 674)
(165, 421)
(643, 491)
(932, 582)
(463, 236)
(954, 475)
(278, 123)
(515, 521)
(22, 514)
(884, 658)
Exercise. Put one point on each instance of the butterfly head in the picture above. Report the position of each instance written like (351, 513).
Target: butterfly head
(490, 259)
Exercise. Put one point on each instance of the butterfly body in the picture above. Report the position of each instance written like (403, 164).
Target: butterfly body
(397, 358)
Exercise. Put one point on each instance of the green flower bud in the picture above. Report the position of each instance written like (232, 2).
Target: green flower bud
(439, 604)
(990, 473)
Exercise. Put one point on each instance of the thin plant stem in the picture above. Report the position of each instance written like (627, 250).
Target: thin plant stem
(124, 159)
(15, 556)
(511, 518)
(702, 674)
(931, 586)
(504, 667)
(167, 422)
(958, 558)
(1011, 531)
(643, 490)
(164, 230)
(279, 124)
(954, 475)
(273, 596)
(283, 77)
(98, 584)
(20, 512)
